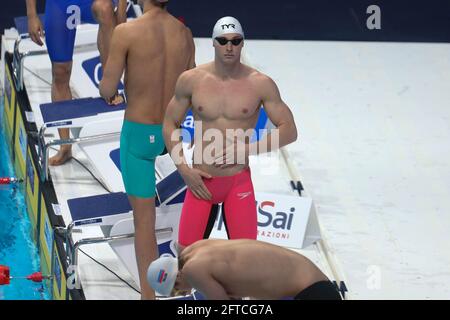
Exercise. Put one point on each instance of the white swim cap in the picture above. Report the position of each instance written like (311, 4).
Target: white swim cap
(162, 273)
(227, 25)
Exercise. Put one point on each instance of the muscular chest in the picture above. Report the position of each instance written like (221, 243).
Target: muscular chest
(232, 100)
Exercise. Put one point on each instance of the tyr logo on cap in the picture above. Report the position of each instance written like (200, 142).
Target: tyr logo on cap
(228, 26)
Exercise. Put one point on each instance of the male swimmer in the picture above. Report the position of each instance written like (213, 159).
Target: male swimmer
(224, 94)
(60, 40)
(224, 269)
(154, 50)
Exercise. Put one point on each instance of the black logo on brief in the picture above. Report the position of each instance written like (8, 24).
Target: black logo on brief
(228, 26)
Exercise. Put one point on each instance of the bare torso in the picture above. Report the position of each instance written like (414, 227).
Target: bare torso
(160, 51)
(223, 104)
(248, 268)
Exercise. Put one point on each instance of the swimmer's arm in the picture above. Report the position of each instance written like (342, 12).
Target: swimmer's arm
(35, 28)
(115, 64)
(192, 64)
(121, 13)
(31, 8)
(280, 115)
(175, 113)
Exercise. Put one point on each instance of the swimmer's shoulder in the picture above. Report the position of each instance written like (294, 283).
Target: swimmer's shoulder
(263, 82)
(125, 34)
(256, 75)
(129, 30)
(205, 69)
(196, 74)
(133, 24)
(174, 25)
(179, 25)
(186, 82)
(188, 32)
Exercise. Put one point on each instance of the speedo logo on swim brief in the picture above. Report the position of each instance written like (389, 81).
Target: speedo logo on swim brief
(232, 25)
(152, 139)
(162, 276)
(243, 195)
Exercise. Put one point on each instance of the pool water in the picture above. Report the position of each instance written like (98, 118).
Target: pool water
(17, 249)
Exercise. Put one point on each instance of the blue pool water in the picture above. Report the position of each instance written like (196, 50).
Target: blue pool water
(17, 249)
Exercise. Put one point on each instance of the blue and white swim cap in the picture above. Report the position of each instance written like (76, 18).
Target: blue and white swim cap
(162, 274)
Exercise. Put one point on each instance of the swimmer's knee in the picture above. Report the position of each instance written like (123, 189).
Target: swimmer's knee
(141, 201)
(103, 11)
(143, 208)
(61, 73)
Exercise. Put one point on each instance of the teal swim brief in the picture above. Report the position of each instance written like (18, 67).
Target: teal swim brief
(140, 144)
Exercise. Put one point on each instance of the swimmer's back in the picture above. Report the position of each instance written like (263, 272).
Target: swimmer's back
(241, 264)
(160, 49)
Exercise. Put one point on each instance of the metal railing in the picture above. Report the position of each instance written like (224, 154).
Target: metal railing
(79, 243)
(44, 147)
(18, 61)
(72, 250)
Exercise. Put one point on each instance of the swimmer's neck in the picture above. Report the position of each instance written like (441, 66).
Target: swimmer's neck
(150, 7)
(224, 71)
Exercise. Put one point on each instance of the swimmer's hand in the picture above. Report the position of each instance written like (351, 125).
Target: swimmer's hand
(115, 100)
(236, 152)
(193, 179)
(35, 29)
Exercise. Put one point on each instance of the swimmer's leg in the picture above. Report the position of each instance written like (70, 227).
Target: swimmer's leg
(145, 244)
(103, 12)
(61, 91)
(60, 41)
(193, 221)
(139, 146)
(239, 208)
(139, 180)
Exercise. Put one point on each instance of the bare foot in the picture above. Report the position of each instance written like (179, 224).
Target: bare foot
(61, 157)
(116, 100)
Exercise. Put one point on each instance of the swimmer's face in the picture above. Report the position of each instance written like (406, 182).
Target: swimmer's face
(228, 52)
